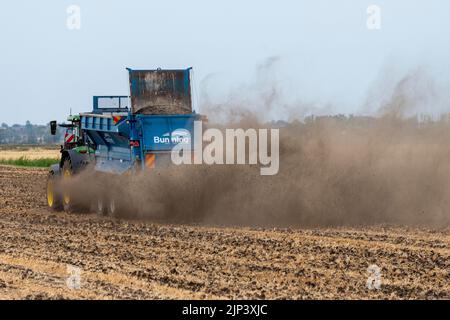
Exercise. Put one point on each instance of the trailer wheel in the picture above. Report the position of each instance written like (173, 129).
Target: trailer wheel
(113, 207)
(67, 196)
(101, 206)
(53, 196)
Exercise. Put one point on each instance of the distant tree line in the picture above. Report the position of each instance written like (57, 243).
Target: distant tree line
(29, 134)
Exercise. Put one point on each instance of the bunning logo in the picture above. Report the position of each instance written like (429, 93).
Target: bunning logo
(177, 136)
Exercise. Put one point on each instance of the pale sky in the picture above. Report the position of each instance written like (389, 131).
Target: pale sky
(325, 52)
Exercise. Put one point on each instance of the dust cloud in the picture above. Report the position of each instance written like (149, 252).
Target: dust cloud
(339, 170)
(333, 172)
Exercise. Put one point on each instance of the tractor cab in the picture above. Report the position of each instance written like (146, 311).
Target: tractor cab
(72, 136)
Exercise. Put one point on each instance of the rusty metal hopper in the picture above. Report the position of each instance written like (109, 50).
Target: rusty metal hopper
(160, 91)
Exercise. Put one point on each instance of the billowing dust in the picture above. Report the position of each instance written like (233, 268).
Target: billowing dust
(334, 171)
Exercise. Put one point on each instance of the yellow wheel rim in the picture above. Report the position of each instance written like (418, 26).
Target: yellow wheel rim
(66, 196)
(50, 196)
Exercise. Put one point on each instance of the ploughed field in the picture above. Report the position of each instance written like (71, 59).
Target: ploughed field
(145, 260)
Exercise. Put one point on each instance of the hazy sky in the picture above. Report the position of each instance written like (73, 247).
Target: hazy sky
(325, 52)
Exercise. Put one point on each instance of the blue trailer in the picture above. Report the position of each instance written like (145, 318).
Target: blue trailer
(125, 133)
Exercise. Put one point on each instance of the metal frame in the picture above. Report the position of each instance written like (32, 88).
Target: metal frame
(96, 109)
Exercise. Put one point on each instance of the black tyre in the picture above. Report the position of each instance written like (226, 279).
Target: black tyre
(101, 206)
